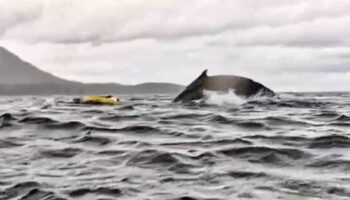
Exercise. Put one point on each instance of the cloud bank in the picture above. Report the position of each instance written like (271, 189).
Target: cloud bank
(297, 45)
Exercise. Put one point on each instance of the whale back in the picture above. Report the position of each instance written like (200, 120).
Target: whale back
(225, 83)
(240, 85)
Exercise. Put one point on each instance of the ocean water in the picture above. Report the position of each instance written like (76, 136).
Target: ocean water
(293, 147)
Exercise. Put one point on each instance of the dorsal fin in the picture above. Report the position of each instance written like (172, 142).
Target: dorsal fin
(204, 73)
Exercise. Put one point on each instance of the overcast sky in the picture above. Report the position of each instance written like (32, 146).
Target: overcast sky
(294, 45)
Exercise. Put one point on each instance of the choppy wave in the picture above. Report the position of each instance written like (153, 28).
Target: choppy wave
(295, 146)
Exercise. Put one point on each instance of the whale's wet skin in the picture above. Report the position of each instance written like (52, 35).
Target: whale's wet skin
(295, 147)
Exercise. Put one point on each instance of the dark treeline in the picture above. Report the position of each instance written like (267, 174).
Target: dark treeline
(79, 88)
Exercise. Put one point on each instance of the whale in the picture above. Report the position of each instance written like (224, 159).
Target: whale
(241, 86)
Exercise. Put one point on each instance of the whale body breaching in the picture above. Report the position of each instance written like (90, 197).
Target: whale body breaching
(224, 83)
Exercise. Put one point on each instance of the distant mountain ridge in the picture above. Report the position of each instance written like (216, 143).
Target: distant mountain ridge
(13, 70)
(19, 77)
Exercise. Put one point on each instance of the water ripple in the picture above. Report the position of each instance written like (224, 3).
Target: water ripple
(292, 147)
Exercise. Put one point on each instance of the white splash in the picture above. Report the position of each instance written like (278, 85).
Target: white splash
(219, 98)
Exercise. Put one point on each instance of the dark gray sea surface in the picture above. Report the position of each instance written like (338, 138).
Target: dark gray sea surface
(293, 147)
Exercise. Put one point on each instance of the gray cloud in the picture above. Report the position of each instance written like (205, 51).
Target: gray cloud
(104, 22)
(17, 14)
(317, 33)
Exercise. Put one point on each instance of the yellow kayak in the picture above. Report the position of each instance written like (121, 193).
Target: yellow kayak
(99, 100)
